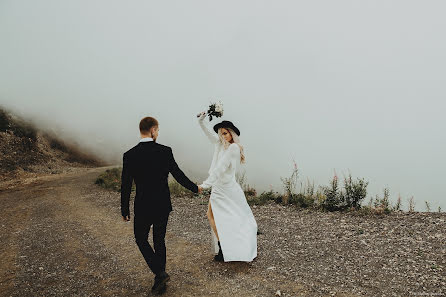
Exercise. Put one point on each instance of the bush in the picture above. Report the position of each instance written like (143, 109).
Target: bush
(302, 200)
(263, 198)
(249, 191)
(178, 190)
(110, 179)
(351, 196)
(334, 197)
(355, 192)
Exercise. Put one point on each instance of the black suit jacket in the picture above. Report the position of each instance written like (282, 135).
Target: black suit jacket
(149, 164)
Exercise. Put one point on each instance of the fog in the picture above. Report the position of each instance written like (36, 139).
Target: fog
(338, 86)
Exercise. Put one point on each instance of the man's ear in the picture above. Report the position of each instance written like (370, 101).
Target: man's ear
(152, 131)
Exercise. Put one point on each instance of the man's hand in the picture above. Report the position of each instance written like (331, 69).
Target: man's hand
(126, 218)
(200, 189)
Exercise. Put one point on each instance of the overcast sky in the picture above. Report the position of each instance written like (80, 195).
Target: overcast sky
(339, 86)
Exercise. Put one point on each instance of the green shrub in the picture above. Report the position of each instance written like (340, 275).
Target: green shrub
(355, 192)
(263, 198)
(302, 200)
(178, 190)
(249, 191)
(110, 179)
(334, 197)
(269, 196)
(351, 196)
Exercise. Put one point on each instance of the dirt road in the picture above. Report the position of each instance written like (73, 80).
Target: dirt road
(59, 238)
(62, 235)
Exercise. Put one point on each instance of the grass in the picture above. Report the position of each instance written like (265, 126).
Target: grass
(178, 190)
(334, 197)
(110, 179)
(264, 198)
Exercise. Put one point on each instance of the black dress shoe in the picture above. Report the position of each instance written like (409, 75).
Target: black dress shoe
(162, 290)
(160, 282)
(219, 257)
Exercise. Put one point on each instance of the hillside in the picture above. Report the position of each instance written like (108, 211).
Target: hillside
(26, 150)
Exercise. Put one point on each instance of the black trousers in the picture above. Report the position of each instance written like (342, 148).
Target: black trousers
(155, 258)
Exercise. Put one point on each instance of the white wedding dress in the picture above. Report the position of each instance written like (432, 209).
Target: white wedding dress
(236, 225)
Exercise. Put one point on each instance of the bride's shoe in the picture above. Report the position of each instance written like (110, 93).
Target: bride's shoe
(219, 257)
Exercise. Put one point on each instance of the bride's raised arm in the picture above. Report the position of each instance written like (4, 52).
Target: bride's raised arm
(229, 159)
(212, 136)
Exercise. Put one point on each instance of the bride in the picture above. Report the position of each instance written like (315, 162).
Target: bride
(232, 222)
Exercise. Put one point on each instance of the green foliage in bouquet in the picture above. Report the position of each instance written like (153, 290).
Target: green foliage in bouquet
(215, 110)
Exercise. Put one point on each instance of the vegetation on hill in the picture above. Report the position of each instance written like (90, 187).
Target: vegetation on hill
(23, 147)
(349, 197)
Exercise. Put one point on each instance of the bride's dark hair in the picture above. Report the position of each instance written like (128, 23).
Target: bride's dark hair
(236, 140)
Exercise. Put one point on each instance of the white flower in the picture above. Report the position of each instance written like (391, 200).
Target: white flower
(219, 107)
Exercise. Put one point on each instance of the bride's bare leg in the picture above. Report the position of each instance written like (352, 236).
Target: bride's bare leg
(211, 220)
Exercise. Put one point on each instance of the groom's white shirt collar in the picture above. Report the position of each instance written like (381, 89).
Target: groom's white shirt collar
(146, 139)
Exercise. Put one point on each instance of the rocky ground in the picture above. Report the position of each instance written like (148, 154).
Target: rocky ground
(62, 235)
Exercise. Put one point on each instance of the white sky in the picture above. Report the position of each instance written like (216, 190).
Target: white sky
(337, 85)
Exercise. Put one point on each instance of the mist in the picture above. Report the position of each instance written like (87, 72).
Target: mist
(344, 86)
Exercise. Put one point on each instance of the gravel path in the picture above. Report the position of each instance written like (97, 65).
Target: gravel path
(64, 236)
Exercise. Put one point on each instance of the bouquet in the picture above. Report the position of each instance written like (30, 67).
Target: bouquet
(215, 110)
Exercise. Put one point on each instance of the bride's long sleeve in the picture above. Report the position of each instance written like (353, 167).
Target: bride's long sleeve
(229, 158)
(212, 136)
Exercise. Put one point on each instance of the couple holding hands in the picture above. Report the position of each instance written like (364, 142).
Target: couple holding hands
(148, 164)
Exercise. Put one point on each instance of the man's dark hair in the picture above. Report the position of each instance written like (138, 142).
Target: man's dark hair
(146, 124)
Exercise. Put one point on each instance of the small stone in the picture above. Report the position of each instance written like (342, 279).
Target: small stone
(271, 268)
(278, 293)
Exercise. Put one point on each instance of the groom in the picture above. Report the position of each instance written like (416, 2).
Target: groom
(149, 164)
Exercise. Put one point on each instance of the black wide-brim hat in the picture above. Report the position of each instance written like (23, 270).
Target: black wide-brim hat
(227, 124)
